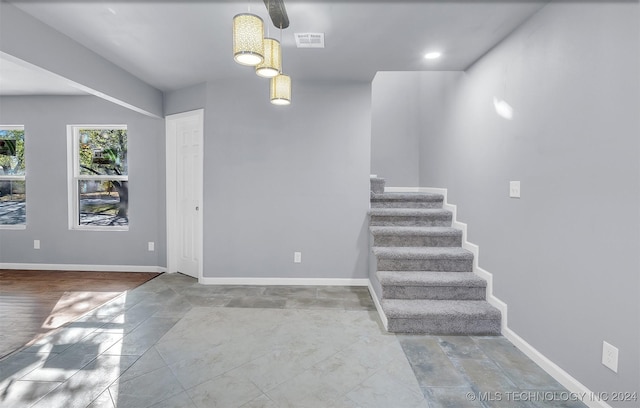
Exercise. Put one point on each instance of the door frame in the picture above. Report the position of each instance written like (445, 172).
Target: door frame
(172, 190)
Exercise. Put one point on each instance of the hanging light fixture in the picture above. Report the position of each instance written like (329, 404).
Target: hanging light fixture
(281, 90)
(248, 33)
(251, 48)
(281, 86)
(272, 63)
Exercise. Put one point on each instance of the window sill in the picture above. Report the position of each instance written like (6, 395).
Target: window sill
(13, 227)
(100, 229)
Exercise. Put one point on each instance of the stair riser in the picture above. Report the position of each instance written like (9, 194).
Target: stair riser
(417, 241)
(434, 292)
(377, 185)
(434, 265)
(401, 221)
(445, 326)
(406, 204)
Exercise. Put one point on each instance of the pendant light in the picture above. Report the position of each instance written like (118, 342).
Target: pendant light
(281, 90)
(281, 86)
(272, 63)
(248, 33)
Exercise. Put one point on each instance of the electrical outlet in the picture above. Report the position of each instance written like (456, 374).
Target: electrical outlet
(297, 257)
(36, 244)
(514, 189)
(151, 246)
(610, 356)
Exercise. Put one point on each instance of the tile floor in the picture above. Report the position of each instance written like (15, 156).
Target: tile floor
(174, 343)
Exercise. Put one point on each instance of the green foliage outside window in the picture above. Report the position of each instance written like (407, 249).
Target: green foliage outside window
(12, 177)
(12, 152)
(103, 152)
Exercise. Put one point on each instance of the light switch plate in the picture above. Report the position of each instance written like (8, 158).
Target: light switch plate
(297, 257)
(514, 189)
(610, 356)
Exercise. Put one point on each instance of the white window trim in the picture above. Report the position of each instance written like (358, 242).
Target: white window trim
(14, 178)
(14, 227)
(12, 127)
(73, 176)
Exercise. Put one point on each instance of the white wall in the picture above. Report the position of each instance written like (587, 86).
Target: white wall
(285, 179)
(30, 40)
(45, 120)
(565, 256)
(395, 128)
(405, 107)
(185, 99)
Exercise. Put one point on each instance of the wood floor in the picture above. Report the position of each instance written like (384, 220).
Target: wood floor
(35, 303)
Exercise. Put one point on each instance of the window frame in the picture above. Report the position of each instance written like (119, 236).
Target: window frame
(16, 178)
(74, 177)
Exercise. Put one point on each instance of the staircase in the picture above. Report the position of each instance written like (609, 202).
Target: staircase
(427, 280)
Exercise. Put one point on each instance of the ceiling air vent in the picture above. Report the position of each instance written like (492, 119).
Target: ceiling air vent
(309, 40)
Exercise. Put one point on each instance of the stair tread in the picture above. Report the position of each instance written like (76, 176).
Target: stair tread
(406, 197)
(421, 308)
(409, 212)
(414, 231)
(422, 253)
(426, 278)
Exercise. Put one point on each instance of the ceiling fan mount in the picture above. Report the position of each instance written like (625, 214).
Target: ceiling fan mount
(278, 13)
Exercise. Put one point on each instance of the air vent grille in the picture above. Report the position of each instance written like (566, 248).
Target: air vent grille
(309, 40)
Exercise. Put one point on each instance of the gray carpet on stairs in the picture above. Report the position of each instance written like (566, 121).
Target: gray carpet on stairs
(377, 185)
(432, 285)
(455, 317)
(410, 217)
(416, 236)
(422, 278)
(437, 259)
(406, 200)
(427, 279)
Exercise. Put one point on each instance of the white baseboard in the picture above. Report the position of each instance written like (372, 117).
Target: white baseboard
(571, 384)
(574, 386)
(284, 281)
(383, 317)
(79, 267)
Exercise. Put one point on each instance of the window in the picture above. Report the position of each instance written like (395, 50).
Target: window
(99, 178)
(13, 194)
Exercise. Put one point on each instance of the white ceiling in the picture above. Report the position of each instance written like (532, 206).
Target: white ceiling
(171, 45)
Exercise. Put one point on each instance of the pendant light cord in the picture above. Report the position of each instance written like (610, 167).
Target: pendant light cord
(268, 12)
(281, 48)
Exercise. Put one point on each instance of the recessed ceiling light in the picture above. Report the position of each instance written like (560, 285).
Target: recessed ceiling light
(432, 55)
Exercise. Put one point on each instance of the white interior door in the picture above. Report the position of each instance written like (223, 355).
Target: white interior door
(184, 193)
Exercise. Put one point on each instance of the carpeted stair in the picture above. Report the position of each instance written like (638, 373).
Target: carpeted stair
(427, 280)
